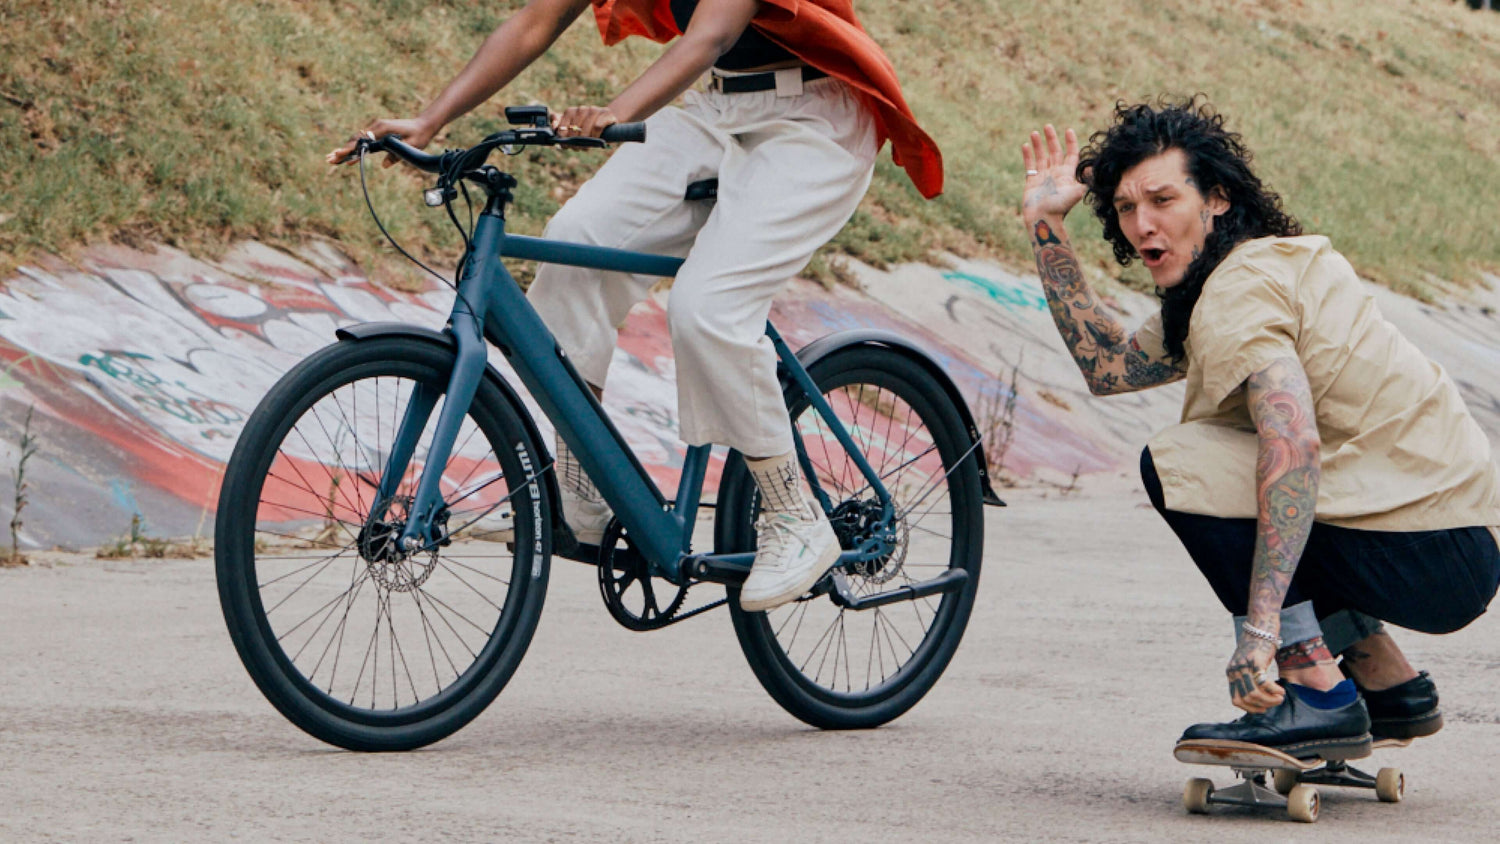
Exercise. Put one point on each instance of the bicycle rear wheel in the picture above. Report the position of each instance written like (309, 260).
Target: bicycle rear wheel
(362, 647)
(836, 668)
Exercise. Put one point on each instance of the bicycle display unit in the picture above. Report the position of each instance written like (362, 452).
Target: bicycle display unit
(387, 520)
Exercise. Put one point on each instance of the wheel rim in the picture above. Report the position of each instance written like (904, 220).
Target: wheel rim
(371, 634)
(858, 658)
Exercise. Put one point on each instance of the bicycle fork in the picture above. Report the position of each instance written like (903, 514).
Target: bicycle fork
(424, 514)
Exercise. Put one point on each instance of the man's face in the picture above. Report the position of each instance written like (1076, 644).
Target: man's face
(1165, 216)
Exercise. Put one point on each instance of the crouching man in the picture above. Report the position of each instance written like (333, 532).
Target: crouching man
(1326, 476)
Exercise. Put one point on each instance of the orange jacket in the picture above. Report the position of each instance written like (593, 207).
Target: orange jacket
(825, 35)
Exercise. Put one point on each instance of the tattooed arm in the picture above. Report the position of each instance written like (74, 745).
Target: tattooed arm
(1287, 472)
(1111, 361)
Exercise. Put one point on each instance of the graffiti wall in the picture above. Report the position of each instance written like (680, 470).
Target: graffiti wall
(140, 369)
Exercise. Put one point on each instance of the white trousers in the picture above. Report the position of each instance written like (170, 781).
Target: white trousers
(792, 168)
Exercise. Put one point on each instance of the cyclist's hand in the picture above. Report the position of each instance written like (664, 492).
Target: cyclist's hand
(414, 131)
(582, 120)
(1054, 189)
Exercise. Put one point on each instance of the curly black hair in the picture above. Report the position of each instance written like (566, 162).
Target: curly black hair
(1217, 159)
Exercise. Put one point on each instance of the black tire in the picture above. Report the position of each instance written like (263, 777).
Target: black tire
(444, 629)
(888, 401)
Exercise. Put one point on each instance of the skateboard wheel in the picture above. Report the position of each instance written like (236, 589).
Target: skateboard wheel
(1285, 780)
(1302, 803)
(1390, 785)
(1195, 795)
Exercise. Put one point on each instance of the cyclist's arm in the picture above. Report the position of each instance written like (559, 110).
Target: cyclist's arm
(510, 49)
(715, 26)
(1111, 360)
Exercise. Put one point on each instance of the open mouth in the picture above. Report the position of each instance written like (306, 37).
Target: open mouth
(1153, 257)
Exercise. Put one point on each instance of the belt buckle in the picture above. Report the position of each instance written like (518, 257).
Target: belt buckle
(789, 82)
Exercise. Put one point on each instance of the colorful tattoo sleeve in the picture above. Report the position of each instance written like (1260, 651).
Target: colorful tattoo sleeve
(1287, 474)
(1110, 361)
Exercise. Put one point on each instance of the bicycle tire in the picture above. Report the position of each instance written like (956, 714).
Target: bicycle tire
(314, 429)
(869, 387)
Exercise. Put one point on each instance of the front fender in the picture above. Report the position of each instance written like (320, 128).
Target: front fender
(827, 345)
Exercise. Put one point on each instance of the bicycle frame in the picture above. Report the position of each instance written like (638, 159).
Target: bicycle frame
(660, 529)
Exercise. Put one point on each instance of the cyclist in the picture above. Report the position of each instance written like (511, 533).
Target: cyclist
(1326, 474)
(800, 101)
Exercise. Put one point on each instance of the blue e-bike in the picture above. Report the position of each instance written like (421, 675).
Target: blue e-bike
(387, 520)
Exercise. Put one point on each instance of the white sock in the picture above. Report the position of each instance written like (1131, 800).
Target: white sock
(571, 475)
(781, 488)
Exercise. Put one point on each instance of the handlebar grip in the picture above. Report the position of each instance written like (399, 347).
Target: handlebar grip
(624, 133)
(410, 154)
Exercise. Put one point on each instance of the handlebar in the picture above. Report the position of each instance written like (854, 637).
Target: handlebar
(474, 157)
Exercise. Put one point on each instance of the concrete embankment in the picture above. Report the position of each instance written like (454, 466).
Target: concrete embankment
(141, 368)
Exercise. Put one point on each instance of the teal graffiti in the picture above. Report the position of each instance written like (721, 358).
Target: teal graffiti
(149, 390)
(1011, 296)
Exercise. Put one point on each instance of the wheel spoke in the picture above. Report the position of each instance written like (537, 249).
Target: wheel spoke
(317, 577)
(896, 418)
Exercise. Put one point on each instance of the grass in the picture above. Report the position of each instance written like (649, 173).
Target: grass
(24, 454)
(135, 544)
(129, 120)
(997, 424)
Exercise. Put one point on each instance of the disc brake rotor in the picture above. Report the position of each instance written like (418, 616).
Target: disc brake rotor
(855, 519)
(379, 546)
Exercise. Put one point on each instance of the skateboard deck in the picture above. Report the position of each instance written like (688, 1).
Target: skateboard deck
(1293, 779)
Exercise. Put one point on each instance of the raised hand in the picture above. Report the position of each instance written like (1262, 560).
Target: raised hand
(1052, 188)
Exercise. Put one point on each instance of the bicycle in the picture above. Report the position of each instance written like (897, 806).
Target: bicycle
(393, 494)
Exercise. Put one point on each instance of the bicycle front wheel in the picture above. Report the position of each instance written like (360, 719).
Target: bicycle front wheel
(362, 647)
(837, 668)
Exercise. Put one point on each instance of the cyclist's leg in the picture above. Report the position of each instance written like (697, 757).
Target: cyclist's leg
(800, 168)
(635, 202)
(795, 179)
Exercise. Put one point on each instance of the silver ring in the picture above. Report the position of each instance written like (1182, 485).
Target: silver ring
(1031, 172)
(1260, 678)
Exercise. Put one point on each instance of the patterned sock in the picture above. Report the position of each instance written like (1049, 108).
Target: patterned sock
(780, 484)
(571, 475)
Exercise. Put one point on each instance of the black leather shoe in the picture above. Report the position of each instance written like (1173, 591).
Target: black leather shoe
(1407, 711)
(1297, 729)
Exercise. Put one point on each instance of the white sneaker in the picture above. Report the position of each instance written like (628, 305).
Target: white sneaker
(791, 556)
(587, 519)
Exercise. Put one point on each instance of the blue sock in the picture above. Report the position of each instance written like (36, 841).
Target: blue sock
(1341, 695)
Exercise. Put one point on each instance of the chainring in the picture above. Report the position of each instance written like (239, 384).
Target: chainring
(633, 597)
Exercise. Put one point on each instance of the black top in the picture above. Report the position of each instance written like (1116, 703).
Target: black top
(752, 50)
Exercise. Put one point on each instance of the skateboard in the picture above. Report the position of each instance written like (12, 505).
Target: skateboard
(1293, 781)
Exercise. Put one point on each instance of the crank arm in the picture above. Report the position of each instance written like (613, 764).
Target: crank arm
(730, 570)
(951, 580)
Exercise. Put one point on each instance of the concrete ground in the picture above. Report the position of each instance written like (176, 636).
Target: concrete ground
(125, 716)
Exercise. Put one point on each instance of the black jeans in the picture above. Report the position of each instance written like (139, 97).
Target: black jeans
(1434, 581)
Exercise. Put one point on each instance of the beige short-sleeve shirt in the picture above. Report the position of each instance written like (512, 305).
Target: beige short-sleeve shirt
(1400, 451)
